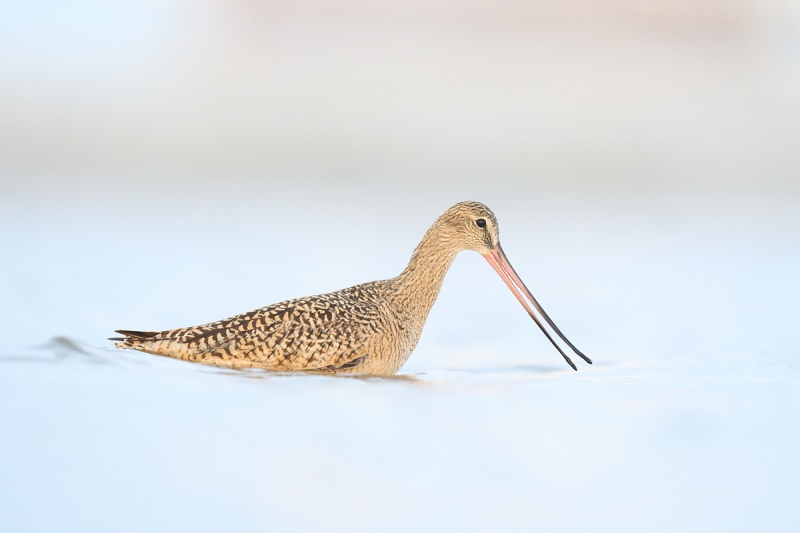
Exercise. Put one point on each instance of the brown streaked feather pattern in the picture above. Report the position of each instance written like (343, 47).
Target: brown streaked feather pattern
(370, 328)
(322, 332)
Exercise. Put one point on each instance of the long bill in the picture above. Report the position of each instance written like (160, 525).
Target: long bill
(497, 258)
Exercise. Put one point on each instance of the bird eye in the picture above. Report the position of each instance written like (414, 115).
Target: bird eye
(481, 223)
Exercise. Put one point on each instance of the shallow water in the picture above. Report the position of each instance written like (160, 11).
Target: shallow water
(101, 438)
(688, 420)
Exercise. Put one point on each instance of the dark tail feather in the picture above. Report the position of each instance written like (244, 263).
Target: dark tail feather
(135, 334)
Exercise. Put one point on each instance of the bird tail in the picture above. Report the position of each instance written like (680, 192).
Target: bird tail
(144, 341)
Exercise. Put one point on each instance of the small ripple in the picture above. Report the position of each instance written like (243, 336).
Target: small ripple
(60, 349)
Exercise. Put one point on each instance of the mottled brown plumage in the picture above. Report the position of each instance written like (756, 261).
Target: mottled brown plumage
(368, 329)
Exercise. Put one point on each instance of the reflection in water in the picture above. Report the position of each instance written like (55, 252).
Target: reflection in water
(60, 349)
(260, 373)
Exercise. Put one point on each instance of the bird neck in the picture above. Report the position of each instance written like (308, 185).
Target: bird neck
(418, 285)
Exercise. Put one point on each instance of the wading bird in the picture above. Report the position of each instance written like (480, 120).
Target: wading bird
(366, 329)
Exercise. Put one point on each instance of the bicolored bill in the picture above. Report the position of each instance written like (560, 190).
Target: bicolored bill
(497, 258)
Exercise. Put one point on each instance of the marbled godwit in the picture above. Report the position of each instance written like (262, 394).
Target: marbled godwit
(366, 329)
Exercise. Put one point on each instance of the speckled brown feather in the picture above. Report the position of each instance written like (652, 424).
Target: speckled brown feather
(370, 328)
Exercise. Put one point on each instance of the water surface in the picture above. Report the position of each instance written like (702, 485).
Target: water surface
(687, 420)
